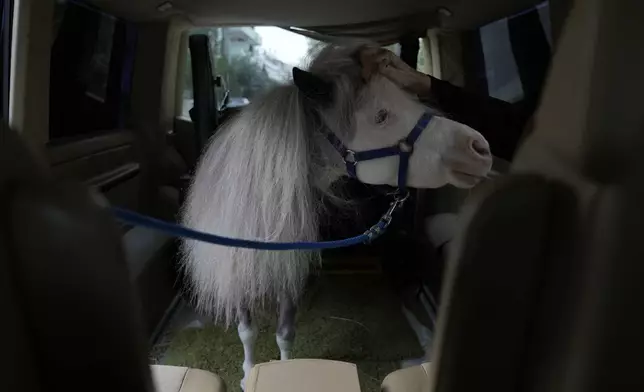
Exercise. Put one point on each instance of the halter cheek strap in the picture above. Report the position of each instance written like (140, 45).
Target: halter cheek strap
(403, 150)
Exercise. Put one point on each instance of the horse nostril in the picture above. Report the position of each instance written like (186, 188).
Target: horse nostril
(480, 148)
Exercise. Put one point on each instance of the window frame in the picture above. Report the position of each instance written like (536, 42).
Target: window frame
(6, 35)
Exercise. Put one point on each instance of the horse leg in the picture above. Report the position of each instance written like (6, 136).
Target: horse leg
(248, 332)
(422, 325)
(285, 334)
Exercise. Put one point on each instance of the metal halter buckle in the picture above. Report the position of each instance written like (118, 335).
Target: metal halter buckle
(401, 196)
(350, 157)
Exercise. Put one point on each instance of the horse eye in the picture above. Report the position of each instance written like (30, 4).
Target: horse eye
(381, 116)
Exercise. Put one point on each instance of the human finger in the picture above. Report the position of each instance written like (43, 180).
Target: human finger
(370, 61)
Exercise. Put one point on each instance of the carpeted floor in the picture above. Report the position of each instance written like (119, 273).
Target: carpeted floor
(352, 318)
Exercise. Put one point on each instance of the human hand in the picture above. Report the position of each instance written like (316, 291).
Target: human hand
(386, 63)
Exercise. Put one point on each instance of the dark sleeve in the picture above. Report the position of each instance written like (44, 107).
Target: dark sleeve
(500, 122)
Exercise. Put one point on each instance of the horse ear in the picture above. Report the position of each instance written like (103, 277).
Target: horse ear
(313, 87)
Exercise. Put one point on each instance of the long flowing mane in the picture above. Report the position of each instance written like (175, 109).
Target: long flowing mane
(262, 177)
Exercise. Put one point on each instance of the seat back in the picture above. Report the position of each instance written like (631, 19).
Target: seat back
(543, 290)
(65, 291)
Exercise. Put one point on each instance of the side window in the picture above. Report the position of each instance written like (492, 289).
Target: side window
(252, 59)
(92, 55)
(424, 57)
(249, 60)
(423, 60)
(511, 56)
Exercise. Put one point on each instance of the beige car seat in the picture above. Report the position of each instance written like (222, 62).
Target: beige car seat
(183, 379)
(542, 274)
(413, 379)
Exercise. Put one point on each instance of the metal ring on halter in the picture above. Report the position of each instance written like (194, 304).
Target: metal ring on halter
(401, 196)
(350, 162)
(350, 157)
(405, 147)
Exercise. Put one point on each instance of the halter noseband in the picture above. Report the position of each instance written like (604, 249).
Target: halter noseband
(404, 148)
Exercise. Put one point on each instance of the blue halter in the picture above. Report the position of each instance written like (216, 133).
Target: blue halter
(403, 149)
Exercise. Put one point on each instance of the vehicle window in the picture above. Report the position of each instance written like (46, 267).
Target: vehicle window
(250, 60)
(510, 57)
(91, 69)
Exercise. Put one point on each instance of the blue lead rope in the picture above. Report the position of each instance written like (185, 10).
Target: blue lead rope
(175, 230)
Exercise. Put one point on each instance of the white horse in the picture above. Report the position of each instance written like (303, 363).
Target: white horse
(265, 172)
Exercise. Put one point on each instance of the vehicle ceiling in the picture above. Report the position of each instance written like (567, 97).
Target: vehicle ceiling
(298, 13)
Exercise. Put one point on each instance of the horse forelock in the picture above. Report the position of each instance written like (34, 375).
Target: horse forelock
(340, 65)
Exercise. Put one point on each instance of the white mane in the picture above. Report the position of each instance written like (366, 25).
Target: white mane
(262, 177)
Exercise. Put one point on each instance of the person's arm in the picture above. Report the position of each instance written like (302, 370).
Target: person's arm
(500, 122)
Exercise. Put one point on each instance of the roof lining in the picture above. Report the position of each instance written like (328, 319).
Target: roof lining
(385, 31)
(311, 15)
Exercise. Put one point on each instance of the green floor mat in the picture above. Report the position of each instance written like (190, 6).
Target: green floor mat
(352, 318)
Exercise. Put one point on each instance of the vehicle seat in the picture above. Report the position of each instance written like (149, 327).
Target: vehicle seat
(412, 379)
(320, 375)
(310, 375)
(184, 379)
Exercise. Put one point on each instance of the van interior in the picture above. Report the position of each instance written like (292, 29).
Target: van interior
(115, 100)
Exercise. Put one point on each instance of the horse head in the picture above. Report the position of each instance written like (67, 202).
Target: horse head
(376, 113)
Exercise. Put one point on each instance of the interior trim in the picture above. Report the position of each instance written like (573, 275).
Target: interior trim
(67, 151)
(434, 47)
(6, 47)
(165, 321)
(30, 57)
(463, 14)
(113, 178)
(182, 65)
(172, 81)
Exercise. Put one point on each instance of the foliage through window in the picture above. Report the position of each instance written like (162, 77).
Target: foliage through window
(250, 61)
